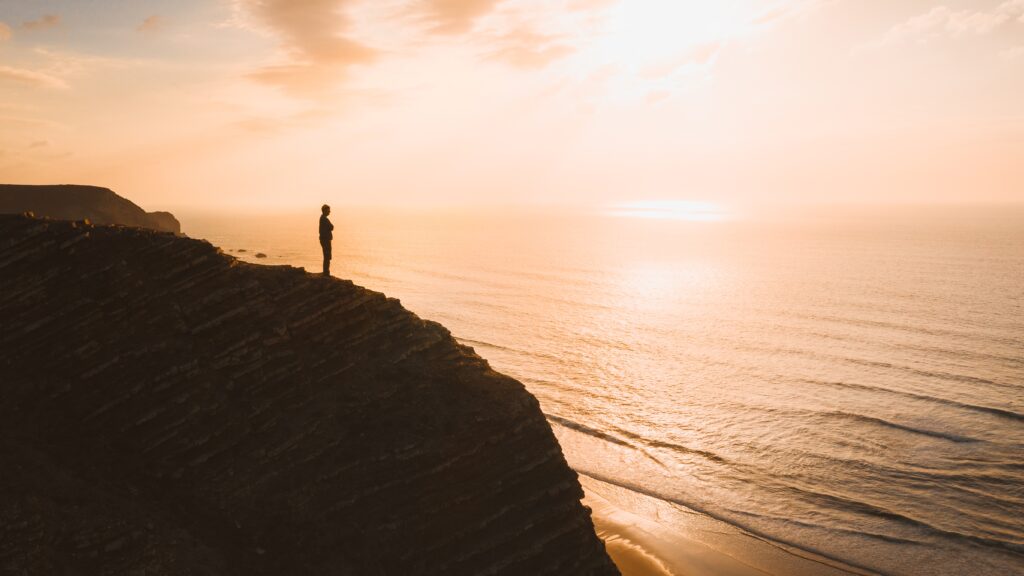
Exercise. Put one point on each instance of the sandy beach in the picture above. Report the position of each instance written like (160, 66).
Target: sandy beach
(686, 543)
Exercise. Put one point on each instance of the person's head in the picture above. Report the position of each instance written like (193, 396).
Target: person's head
(325, 209)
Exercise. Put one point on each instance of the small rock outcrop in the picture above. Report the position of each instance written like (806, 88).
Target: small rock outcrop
(167, 409)
(73, 202)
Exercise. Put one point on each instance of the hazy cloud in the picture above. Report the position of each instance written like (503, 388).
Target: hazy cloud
(30, 77)
(527, 35)
(455, 16)
(311, 35)
(656, 96)
(270, 125)
(311, 30)
(5, 32)
(772, 15)
(696, 58)
(151, 25)
(67, 65)
(57, 68)
(320, 41)
(39, 144)
(786, 9)
(42, 23)
(942, 21)
(525, 48)
(582, 5)
(20, 119)
(1015, 53)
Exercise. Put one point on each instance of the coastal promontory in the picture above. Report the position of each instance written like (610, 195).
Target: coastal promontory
(76, 202)
(166, 409)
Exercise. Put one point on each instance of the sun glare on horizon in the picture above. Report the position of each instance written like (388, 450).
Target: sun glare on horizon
(688, 210)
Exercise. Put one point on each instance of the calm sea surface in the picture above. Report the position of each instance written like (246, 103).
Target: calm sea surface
(848, 382)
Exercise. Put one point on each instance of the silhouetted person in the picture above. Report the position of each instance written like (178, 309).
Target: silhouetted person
(326, 235)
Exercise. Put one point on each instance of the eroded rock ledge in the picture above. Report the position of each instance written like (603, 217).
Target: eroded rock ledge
(166, 409)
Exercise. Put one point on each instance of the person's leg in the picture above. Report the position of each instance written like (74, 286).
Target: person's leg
(326, 245)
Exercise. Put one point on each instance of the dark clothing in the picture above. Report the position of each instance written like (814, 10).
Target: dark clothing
(326, 245)
(326, 235)
(326, 229)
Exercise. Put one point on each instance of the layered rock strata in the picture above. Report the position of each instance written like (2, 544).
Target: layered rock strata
(73, 202)
(166, 409)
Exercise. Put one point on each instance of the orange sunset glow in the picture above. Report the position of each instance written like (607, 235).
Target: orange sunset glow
(512, 287)
(274, 103)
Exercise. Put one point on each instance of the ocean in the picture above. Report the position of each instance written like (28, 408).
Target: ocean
(843, 381)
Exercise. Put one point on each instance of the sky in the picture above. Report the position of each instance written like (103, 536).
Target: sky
(253, 104)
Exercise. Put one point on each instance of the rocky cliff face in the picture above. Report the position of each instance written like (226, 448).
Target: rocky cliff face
(166, 409)
(71, 202)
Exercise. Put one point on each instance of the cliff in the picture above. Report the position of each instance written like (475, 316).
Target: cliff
(72, 202)
(166, 409)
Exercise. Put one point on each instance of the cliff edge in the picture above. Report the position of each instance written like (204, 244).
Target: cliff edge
(166, 409)
(73, 202)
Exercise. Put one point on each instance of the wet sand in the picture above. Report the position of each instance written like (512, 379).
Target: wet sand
(686, 543)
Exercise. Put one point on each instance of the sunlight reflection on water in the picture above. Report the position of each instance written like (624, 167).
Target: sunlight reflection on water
(848, 384)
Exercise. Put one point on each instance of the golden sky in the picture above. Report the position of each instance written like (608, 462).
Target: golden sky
(286, 103)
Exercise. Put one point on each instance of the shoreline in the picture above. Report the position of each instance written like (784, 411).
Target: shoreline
(687, 543)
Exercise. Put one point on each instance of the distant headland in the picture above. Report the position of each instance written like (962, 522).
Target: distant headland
(76, 202)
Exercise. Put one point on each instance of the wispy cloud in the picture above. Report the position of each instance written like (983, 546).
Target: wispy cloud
(319, 46)
(42, 23)
(22, 120)
(31, 78)
(269, 125)
(521, 34)
(782, 10)
(454, 16)
(311, 35)
(697, 56)
(151, 25)
(584, 5)
(322, 42)
(527, 48)
(68, 64)
(56, 69)
(945, 22)
(5, 32)
(1015, 53)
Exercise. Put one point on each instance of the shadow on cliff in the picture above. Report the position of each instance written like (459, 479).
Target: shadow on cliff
(167, 409)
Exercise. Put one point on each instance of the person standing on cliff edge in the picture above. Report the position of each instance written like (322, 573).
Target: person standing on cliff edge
(326, 235)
